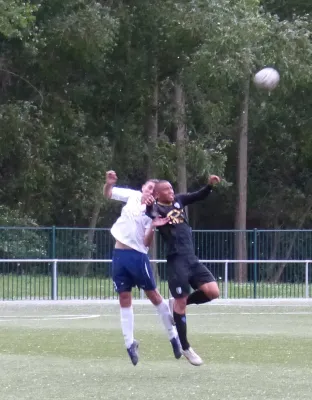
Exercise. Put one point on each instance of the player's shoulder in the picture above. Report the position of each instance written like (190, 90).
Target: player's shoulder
(177, 203)
(135, 195)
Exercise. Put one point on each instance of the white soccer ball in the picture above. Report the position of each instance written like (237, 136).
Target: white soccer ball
(267, 78)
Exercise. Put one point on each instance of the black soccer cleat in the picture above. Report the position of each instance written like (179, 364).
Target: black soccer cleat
(133, 352)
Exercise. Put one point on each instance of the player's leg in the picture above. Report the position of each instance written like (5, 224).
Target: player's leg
(127, 325)
(204, 283)
(145, 280)
(178, 276)
(167, 320)
(123, 285)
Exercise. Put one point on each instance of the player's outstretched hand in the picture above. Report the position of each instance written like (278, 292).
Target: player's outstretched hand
(111, 177)
(148, 200)
(160, 221)
(213, 180)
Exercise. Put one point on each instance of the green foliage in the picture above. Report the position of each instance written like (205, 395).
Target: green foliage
(77, 78)
(16, 18)
(21, 243)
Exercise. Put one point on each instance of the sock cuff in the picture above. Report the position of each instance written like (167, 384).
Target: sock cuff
(181, 316)
(162, 306)
(126, 311)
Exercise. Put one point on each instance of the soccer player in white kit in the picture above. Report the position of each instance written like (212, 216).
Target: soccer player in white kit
(133, 232)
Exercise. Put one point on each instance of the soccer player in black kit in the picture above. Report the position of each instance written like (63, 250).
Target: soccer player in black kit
(184, 268)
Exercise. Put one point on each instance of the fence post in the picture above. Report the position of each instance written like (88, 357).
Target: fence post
(307, 279)
(54, 280)
(53, 255)
(226, 276)
(255, 255)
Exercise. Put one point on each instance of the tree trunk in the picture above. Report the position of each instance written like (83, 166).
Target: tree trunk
(152, 137)
(84, 267)
(241, 202)
(180, 131)
(152, 128)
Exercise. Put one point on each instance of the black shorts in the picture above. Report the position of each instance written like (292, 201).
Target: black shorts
(185, 272)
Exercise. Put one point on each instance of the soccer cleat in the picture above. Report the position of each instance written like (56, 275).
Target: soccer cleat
(176, 347)
(192, 357)
(133, 352)
(170, 304)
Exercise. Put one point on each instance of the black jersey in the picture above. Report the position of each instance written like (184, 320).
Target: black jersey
(177, 234)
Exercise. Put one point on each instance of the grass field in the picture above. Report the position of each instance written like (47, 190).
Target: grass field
(74, 350)
(19, 287)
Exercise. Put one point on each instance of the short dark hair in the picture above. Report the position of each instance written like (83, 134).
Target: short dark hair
(159, 182)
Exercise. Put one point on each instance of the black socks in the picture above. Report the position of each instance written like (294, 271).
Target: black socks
(180, 321)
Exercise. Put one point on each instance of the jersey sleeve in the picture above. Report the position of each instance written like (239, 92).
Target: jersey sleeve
(189, 198)
(122, 194)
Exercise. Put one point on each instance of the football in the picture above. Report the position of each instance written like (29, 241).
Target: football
(267, 78)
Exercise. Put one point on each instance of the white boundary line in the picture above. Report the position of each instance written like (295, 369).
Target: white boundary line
(45, 318)
(60, 317)
(52, 316)
(278, 302)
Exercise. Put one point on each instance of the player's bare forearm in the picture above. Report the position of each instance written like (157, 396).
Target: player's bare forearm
(111, 179)
(107, 191)
(149, 236)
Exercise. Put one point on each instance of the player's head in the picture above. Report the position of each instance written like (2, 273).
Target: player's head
(164, 192)
(149, 187)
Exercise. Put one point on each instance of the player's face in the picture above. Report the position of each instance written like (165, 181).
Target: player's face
(165, 192)
(148, 188)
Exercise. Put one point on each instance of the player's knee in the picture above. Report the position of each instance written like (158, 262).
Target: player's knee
(214, 291)
(154, 296)
(211, 290)
(125, 299)
(180, 305)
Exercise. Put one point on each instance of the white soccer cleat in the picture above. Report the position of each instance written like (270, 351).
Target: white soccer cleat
(192, 357)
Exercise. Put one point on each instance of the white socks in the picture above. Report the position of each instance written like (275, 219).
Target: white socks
(127, 324)
(167, 319)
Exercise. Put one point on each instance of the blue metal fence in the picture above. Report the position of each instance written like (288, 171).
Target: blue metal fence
(92, 280)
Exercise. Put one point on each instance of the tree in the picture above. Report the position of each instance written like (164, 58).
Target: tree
(231, 55)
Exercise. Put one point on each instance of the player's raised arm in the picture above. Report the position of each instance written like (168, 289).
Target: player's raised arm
(111, 179)
(115, 193)
(201, 194)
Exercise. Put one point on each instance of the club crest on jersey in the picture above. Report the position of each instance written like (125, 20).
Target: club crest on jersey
(177, 205)
(179, 290)
(175, 216)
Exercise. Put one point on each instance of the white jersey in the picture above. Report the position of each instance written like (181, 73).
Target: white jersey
(130, 227)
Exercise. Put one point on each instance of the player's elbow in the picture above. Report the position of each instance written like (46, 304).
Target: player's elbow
(147, 242)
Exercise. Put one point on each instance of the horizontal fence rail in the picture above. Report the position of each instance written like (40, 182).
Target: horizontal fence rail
(63, 278)
(84, 243)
